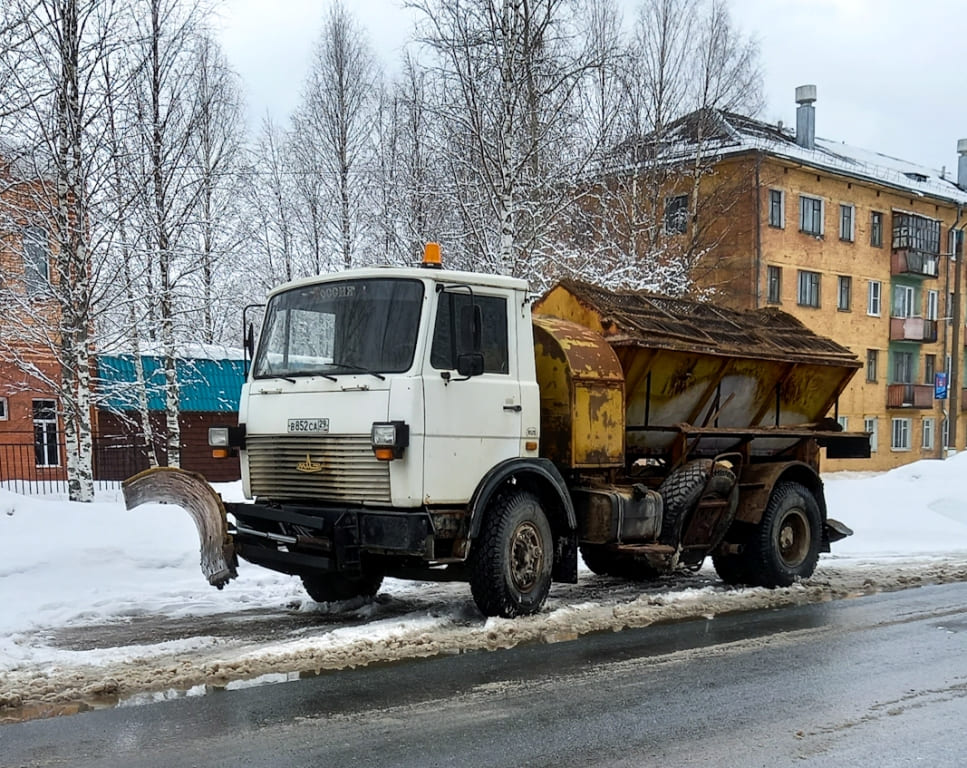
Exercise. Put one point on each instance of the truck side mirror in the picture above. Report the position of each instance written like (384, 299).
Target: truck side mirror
(250, 340)
(470, 364)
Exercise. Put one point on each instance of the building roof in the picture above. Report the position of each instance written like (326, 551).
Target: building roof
(722, 134)
(205, 385)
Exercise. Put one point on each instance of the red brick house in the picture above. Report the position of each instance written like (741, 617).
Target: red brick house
(29, 423)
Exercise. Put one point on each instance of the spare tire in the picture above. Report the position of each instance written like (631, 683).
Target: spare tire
(680, 492)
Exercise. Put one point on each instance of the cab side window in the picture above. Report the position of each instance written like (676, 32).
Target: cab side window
(453, 334)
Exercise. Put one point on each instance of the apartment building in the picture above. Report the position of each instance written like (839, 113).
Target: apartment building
(857, 245)
(863, 248)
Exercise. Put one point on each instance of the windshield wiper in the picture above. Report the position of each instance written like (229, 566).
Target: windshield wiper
(359, 368)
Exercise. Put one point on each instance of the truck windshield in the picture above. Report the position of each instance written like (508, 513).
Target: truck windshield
(350, 326)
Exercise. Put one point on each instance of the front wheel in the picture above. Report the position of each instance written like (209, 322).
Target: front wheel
(330, 587)
(786, 546)
(512, 558)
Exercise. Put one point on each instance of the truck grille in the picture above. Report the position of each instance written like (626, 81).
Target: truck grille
(348, 470)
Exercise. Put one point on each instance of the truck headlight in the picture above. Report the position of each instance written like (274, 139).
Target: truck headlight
(218, 437)
(223, 439)
(389, 439)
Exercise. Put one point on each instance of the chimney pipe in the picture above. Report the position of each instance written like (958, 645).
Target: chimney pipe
(806, 116)
(962, 164)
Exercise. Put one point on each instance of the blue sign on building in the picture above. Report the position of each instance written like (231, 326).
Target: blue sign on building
(940, 386)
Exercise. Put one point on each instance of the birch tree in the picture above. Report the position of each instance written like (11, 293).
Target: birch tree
(215, 151)
(271, 200)
(54, 102)
(686, 65)
(506, 75)
(333, 140)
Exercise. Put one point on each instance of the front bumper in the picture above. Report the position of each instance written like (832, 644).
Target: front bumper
(301, 540)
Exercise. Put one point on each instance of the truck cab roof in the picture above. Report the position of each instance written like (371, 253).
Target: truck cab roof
(445, 276)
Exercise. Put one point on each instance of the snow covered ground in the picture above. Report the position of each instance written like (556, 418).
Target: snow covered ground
(99, 605)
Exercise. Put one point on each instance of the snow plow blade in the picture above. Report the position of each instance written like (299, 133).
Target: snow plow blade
(168, 485)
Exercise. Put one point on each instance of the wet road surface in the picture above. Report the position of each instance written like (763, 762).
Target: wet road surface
(870, 681)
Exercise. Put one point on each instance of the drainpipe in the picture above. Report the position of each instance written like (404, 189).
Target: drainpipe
(944, 443)
(955, 353)
(758, 233)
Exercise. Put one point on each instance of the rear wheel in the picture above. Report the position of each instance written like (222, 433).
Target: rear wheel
(786, 546)
(732, 569)
(512, 558)
(330, 587)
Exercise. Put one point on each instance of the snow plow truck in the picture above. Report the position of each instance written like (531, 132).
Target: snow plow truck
(423, 423)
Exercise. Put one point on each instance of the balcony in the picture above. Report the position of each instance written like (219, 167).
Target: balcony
(912, 329)
(909, 262)
(909, 396)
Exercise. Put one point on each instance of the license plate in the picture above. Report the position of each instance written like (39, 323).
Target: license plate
(308, 425)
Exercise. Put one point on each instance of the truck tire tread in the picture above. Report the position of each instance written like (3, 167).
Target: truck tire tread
(514, 522)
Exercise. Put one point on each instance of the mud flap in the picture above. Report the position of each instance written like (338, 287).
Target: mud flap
(168, 485)
(835, 530)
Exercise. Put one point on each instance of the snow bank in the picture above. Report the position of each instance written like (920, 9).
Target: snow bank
(914, 510)
(99, 602)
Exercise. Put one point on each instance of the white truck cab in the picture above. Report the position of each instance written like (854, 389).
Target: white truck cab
(380, 349)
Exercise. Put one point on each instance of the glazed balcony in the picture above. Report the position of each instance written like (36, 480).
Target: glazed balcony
(906, 261)
(913, 329)
(909, 396)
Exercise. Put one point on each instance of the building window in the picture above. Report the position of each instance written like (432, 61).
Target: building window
(843, 422)
(676, 214)
(928, 432)
(873, 298)
(929, 368)
(903, 301)
(46, 448)
(872, 360)
(876, 229)
(811, 215)
(774, 285)
(870, 425)
(808, 295)
(955, 242)
(3, 409)
(903, 368)
(36, 260)
(916, 233)
(933, 304)
(844, 292)
(901, 435)
(777, 208)
(847, 222)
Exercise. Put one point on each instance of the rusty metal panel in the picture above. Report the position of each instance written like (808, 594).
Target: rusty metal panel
(695, 363)
(582, 396)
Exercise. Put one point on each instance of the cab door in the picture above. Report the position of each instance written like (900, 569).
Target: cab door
(472, 423)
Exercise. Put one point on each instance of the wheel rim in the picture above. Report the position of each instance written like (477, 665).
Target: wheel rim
(526, 556)
(793, 538)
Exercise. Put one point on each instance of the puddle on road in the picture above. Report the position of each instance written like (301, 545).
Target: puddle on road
(40, 711)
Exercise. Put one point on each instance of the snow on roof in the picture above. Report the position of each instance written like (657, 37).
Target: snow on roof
(183, 351)
(727, 133)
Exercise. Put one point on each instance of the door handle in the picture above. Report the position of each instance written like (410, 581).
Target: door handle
(514, 408)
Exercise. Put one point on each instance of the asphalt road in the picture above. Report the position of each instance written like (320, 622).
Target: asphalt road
(872, 681)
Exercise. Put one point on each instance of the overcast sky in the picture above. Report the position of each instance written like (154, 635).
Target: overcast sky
(891, 75)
